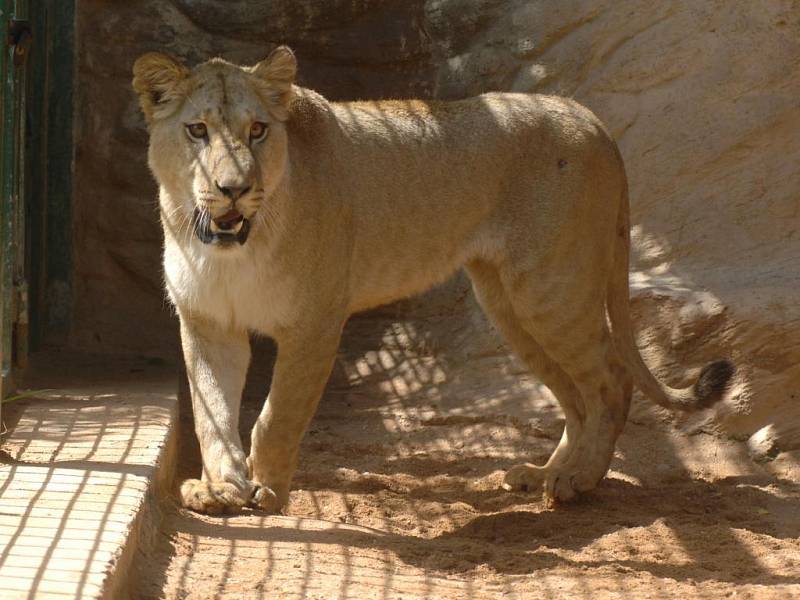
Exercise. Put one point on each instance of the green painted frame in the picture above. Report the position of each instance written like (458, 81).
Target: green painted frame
(13, 288)
(49, 199)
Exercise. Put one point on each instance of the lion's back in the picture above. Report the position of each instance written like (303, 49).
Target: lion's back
(478, 127)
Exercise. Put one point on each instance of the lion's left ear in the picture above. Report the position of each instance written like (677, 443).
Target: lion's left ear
(278, 71)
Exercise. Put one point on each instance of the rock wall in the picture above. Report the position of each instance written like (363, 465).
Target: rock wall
(702, 97)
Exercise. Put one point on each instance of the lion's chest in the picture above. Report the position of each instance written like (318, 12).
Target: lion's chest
(235, 292)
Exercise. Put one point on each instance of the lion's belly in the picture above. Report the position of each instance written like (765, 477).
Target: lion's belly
(410, 269)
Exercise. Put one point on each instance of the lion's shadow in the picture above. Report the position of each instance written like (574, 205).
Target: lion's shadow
(705, 519)
(519, 542)
(513, 534)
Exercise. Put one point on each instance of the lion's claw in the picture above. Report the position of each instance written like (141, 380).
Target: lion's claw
(265, 499)
(523, 478)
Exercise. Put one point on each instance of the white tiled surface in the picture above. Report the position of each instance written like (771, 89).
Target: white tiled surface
(75, 474)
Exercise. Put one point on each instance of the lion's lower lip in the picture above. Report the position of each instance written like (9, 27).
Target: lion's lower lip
(210, 231)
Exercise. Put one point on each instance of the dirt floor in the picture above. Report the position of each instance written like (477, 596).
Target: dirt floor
(398, 495)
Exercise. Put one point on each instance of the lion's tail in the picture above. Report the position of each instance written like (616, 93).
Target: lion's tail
(715, 376)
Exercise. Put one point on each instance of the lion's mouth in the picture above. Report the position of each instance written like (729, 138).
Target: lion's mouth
(229, 228)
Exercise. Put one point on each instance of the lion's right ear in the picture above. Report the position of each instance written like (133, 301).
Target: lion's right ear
(278, 71)
(158, 79)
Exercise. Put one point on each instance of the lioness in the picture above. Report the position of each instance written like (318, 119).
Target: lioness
(284, 213)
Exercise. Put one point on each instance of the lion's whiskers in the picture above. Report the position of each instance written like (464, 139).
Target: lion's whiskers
(267, 216)
(176, 226)
(169, 215)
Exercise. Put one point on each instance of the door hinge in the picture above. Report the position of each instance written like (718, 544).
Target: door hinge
(20, 37)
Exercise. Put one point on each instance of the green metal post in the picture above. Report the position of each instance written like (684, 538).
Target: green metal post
(49, 191)
(16, 40)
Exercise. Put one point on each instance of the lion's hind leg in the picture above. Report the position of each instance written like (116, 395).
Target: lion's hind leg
(566, 316)
(495, 302)
(565, 342)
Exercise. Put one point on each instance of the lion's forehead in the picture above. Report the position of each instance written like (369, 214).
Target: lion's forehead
(224, 94)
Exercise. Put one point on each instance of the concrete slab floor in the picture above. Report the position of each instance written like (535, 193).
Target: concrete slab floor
(80, 468)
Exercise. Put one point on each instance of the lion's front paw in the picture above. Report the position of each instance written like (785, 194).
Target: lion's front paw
(267, 500)
(563, 484)
(212, 497)
(524, 478)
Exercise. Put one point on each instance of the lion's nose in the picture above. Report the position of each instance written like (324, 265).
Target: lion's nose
(234, 193)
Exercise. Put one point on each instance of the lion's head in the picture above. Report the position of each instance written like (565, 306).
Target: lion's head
(218, 142)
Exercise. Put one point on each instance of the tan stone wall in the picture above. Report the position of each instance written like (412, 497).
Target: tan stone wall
(702, 97)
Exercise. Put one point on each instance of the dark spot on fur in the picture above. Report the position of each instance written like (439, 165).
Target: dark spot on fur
(224, 89)
(712, 383)
(524, 487)
(562, 163)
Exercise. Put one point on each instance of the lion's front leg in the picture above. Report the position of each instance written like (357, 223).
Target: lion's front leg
(216, 364)
(302, 369)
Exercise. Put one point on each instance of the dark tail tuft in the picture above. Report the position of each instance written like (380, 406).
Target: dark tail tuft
(712, 383)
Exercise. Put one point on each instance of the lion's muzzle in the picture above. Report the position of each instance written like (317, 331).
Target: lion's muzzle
(224, 230)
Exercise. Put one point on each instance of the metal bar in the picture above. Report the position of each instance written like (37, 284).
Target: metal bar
(37, 182)
(13, 289)
(7, 249)
(20, 316)
(4, 14)
(60, 150)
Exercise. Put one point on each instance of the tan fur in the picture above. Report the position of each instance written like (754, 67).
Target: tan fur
(357, 204)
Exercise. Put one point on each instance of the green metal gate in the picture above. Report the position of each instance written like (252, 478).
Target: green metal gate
(36, 82)
(16, 43)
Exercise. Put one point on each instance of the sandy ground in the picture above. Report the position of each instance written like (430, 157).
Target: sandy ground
(397, 495)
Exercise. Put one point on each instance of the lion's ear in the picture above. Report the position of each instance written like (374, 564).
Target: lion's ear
(157, 78)
(278, 70)
(279, 67)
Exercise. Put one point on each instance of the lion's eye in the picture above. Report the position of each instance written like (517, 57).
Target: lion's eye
(197, 130)
(257, 131)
